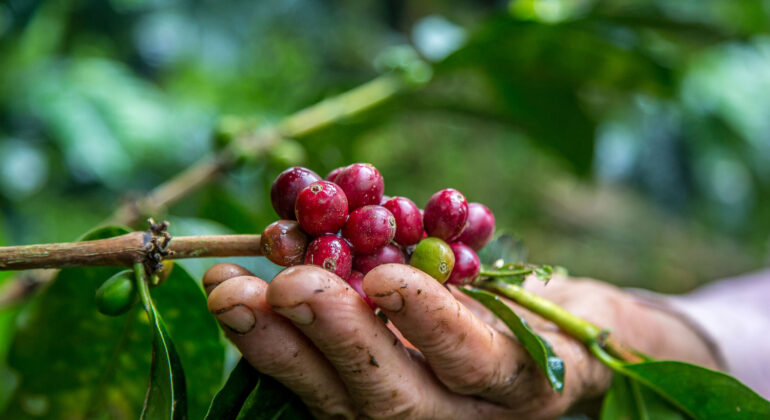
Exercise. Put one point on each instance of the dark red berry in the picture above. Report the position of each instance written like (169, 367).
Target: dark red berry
(369, 228)
(384, 199)
(356, 281)
(285, 188)
(387, 254)
(362, 183)
(284, 243)
(467, 264)
(331, 176)
(332, 253)
(480, 228)
(408, 220)
(446, 214)
(321, 208)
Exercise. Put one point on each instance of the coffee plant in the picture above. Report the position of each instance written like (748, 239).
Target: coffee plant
(126, 307)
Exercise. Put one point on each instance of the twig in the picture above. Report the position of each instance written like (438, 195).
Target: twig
(124, 250)
(587, 332)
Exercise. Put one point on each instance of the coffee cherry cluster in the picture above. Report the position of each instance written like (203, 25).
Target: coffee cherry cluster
(346, 225)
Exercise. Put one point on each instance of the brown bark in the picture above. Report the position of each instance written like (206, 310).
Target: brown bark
(124, 250)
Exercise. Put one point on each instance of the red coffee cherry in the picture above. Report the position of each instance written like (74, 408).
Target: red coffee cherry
(481, 226)
(387, 254)
(446, 214)
(467, 264)
(408, 220)
(332, 253)
(356, 281)
(362, 183)
(284, 243)
(369, 228)
(321, 208)
(331, 176)
(283, 192)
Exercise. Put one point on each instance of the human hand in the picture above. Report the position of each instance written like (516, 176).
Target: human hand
(442, 355)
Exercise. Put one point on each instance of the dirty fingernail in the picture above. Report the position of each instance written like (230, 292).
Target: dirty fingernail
(301, 314)
(390, 301)
(238, 318)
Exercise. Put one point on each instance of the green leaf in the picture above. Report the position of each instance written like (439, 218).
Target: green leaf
(73, 362)
(229, 400)
(629, 400)
(249, 394)
(271, 401)
(167, 394)
(504, 247)
(551, 365)
(701, 393)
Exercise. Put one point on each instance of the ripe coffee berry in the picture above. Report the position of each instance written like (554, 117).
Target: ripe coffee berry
(408, 220)
(385, 255)
(446, 214)
(467, 264)
(480, 228)
(321, 207)
(356, 281)
(362, 183)
(285, 188)
(369, 228)
(331, 176)
(434, 257)
(284, 243)
(332, 253)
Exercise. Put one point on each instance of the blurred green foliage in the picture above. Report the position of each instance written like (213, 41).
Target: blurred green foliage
(623, 139)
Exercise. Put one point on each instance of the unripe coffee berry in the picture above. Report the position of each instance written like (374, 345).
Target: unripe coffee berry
(321, 207)
(387, 254)
(369, 228)
(356, 282)
(408, 220)
(467, 264)
(332, 253)
(284, 243)
(362, 183)
(480, 228)
(434, 257)
(117, 294)
(446, 214)
(283, 192)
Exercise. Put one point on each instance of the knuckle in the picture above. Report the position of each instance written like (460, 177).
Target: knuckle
(470, 381)
(399, 405)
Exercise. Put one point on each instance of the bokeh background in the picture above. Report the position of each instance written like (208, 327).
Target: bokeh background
(626, 140)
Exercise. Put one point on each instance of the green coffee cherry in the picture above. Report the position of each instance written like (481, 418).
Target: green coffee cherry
(434, 257)
(118, 294)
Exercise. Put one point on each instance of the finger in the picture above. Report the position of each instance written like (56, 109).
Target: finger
(275, 347)
(221, 272)
(381, 376)
(467, 355)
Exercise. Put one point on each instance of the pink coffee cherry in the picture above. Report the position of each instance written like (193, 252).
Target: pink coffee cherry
(369, 228)
(387, 254)
(481, 226)
(332, 253)
(362, 183)
(321, 207)
(283, 192)
(446, 214)
(467, 264)
(408, 220)
(356, 281)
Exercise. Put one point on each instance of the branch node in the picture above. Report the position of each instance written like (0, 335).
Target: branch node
(155, 247)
